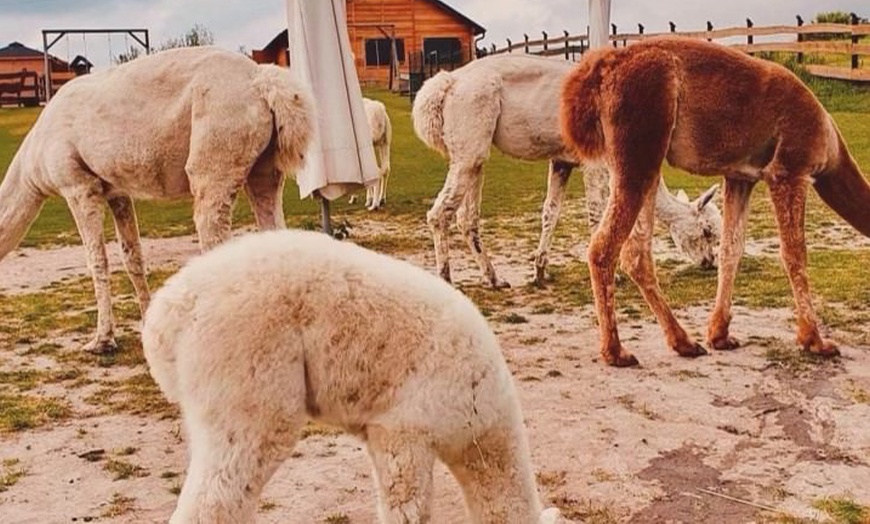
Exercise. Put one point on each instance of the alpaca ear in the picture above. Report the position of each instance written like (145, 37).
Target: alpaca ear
(708, 195)
(682, 196)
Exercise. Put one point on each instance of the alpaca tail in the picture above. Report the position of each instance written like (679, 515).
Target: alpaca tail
(846, 191)
(293, 115)
(19, 204)
(162, 331)
(428, 111)
(581, 108)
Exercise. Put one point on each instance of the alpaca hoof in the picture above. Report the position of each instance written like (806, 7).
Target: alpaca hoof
(826, 349)
(101, 346)
(690, 349)
(725, 343)
(620, 359)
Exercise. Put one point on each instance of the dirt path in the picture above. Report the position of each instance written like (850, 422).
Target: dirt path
(609, 445)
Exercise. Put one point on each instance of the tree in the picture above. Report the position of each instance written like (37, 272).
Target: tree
(837, 17)
(833, 17)
(131, 54)
(196, 36)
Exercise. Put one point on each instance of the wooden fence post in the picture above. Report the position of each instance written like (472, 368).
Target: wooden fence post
(749, 25)
(509, 45)
(526, 38)
(546, 43)
(673, 27)
(493, 48)
(613, 26)
(854, 20)
(567, 47)
(640, 29)
(800, 38)
(709, 28)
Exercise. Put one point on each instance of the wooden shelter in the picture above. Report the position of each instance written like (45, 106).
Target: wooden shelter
(390, 39)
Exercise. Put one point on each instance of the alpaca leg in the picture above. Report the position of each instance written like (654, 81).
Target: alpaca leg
(459, 179)
(557, 180)
(239, 431)
(385, 171)
(468, 220)
(370, 195)
(495, 474)
(222, 157)
(373, 195)
(596, 184)
(637, 261)
(403, 472)
(265, 190)
(637, 146)
(87, 207)
(735, 215)
(127, 230)
(789, 203)
(230, 466)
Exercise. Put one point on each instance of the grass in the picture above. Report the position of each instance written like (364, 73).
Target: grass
(20, 411)
(11, 472)
(123, 470)
(118, 505)
(844, 510)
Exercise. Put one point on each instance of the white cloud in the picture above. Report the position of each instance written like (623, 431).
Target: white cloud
(252, 24)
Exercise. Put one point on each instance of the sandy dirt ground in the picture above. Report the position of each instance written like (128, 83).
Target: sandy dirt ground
(676, 440)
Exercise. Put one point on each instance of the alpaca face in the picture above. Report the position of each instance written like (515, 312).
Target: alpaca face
(697, 231)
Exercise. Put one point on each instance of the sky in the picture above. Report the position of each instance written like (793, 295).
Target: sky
(250, 24)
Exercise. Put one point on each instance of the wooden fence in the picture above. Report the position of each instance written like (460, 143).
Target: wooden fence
(849, 41)
(21, 88)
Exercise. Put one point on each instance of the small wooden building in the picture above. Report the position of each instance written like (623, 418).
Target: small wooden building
(391, 39)
(18, 60)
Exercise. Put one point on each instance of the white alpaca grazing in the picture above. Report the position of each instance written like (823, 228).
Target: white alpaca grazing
(694, 225)
(272, 329)
(197, 121)
(382, 138)
(512, 102)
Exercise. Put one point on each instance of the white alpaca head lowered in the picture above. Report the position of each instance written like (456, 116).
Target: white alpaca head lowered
(695, 226)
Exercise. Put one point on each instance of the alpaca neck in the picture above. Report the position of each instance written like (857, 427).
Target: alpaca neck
(668, 207)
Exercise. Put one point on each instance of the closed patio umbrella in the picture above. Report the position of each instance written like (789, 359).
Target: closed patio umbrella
(341, 158)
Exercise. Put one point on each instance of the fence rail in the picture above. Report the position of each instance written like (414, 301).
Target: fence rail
(847, 41)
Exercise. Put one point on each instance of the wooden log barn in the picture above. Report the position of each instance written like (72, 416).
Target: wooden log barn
(396, 42)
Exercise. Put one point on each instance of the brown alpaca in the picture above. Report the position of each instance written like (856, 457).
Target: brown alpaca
(709, 110)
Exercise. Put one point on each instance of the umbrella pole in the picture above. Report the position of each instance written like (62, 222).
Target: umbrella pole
(325, 221)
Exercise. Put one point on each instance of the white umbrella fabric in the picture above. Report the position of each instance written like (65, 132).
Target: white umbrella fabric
(341, 158)
(599, 23)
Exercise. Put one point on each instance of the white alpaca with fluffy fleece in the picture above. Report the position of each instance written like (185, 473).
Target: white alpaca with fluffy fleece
(382, 138)
(269, 330)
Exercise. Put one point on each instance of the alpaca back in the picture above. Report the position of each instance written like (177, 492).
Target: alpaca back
(373, 332)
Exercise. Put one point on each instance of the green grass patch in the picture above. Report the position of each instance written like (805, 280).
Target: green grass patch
(844, 510)
(122, 470)
(136, 395)
(21, 411)
(11, 472)
(118, 505)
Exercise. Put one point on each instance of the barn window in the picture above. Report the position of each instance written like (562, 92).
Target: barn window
(378, 51)
(442, 50)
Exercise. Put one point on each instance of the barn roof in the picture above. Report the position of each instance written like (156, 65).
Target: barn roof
(19, 50)
(476, 28)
